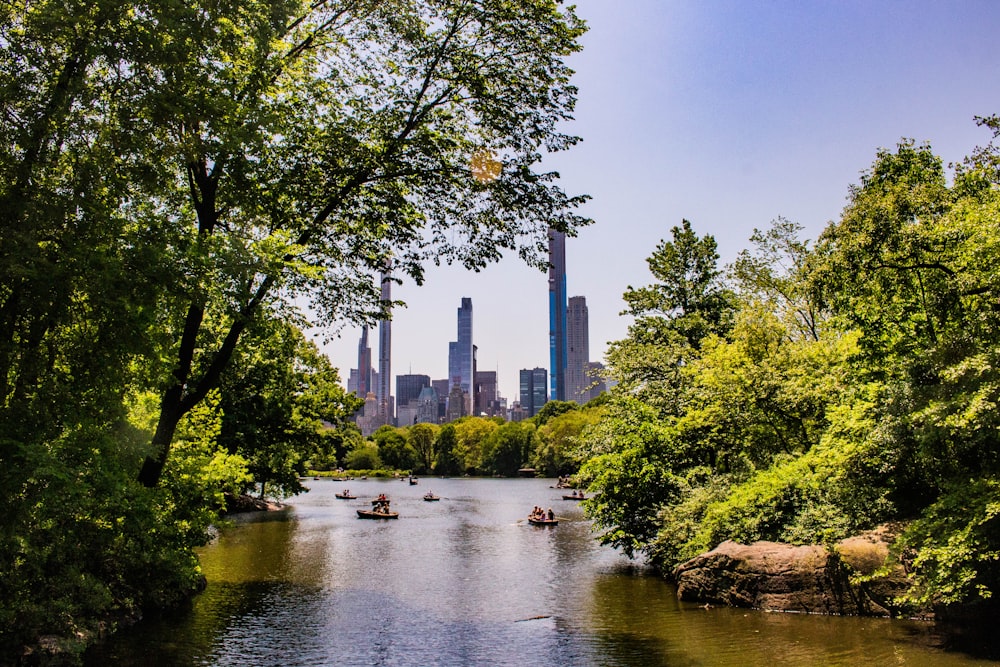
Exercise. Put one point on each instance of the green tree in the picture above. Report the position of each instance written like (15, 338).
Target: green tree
(310, 143)
(689, 297)
(553, 409)
(470, 435)
(559, 441)
(365, 457)
(446, 462)
(393, 448)
(421, 438)
(276, 399)
(508, 448)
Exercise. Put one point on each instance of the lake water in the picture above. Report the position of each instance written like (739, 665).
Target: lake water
(467, 581)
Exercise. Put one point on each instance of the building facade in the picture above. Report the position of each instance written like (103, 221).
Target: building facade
(383, 393)
(577, 351)
(534, 387)
(557, 314)
(461, 357)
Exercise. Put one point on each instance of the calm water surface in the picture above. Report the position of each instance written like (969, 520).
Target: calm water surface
(466, 581)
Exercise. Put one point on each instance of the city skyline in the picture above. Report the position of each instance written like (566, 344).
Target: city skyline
(728, 114)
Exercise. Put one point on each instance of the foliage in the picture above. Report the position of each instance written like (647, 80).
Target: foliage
(553, 409)
(365, 457)
(446, 462)
(559, 448)
(421, 438)
(281, 400)
(850, 383)
(470, 435)
(393, 448)
(508, 448)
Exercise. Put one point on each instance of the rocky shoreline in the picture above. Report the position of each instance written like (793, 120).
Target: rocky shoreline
(811, 579)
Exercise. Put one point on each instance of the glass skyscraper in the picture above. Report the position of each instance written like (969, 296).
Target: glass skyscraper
(578, 353)
(460, 354)
(533, 391)
(557, 314)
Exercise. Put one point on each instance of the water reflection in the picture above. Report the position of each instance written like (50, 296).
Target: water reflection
(465, 581)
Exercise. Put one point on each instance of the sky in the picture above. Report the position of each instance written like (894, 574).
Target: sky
(725, 113)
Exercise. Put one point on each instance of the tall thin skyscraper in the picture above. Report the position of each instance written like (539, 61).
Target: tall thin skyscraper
(460, 353)
(578, 351)
(384, 393)
(557, 314)
(364, 364)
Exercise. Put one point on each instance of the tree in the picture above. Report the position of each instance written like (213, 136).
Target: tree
(393, 448)
(559, 444)
(471, 434)
(365, 457)
(421, 438)
(508, 448)
(275, 402)
(689, 297)
(776, 272)
(312, 142)
(553, 409)
(447, 463)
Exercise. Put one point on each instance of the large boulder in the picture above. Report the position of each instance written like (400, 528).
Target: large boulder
(783, 577)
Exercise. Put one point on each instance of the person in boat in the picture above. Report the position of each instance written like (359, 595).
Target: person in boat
(551, 515)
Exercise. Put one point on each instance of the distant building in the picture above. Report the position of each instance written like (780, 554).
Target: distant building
(533, 385)
(557, 314)
(456, 404)
(517, 413)
(486, 393)
(408, 388)
(383, 392)
(577, 351)
(427, 406)
(367, 420)
(406, 415)
(442, 387)
(461, 356)
(363, 383)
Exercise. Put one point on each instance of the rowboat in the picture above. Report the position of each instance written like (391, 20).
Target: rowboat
(571, 497)
(430, 496)
(543, 522)
(345, 496)
(369, 514)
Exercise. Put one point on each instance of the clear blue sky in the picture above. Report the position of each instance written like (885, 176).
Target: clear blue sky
(727, 113)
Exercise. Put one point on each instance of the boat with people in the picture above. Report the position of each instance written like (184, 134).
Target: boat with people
(536, 521)
(377, 514)
(540, 517)
(346, 495)
(575, 496)
(380, 510)
(429, 496)
(413, 481)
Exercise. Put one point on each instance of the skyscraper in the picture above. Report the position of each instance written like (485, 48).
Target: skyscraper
(533, 390)
(364, 384)
(386, 410)
(557, 314)
(578, 351)
(460, 356)
(408, 388)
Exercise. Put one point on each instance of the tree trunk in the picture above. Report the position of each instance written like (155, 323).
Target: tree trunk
(170, 415)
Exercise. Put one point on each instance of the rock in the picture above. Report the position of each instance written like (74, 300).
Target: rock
(245, 503)
(782, 577)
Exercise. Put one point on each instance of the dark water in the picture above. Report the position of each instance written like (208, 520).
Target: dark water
(466, 581)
